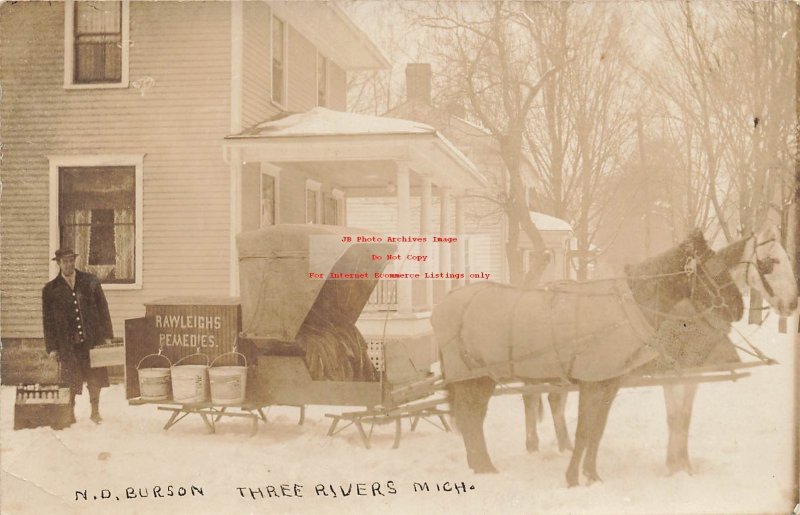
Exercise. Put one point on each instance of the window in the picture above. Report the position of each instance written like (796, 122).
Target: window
(96, 44)
(312, 202)
(96, 218)
(279, 68)
(322, 80)
(268, 200)
(334, 208)
(96, 208)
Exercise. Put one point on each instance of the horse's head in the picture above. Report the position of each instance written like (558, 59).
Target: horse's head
(689, 271)
(768, 269)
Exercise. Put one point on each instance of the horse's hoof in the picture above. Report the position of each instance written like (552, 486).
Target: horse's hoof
(592, 477)
(532, 447)
(566, 447)
(572, 480)
(485, 469)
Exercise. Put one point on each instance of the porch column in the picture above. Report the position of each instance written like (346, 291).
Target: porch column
(403, 227)
(460, 244)
(425, 223)
(444, 230)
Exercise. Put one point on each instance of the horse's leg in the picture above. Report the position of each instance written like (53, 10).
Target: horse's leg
(533, 406)
(558, 403)
(606, 391)
(469, 401)
(586, 399)
(679, 401)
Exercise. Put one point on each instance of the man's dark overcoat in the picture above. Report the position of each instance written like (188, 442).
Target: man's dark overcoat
(74, 322)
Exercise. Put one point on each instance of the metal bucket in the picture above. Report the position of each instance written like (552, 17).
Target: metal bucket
(154, 382)
(190, 382)
(228, 383)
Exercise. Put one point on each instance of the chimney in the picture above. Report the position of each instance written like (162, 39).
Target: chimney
(418, 82)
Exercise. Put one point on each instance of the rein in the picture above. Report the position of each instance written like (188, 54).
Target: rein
(706, 279)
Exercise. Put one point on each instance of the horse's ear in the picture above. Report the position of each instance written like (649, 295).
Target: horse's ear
(696, 242)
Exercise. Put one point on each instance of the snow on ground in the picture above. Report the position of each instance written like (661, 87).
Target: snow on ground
(741, 442)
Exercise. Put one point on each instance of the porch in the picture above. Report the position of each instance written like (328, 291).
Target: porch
(352, 155)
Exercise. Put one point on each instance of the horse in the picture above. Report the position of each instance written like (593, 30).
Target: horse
(607, 323)
(757, 261)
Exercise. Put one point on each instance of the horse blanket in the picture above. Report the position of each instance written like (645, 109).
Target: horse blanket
(588, 331)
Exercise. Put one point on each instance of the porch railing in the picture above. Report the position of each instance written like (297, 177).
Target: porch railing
(384, 296)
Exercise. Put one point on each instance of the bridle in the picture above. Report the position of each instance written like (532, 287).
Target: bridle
(712, 267)
(701, 273)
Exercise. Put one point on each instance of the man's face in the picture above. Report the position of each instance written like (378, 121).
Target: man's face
(67, 265)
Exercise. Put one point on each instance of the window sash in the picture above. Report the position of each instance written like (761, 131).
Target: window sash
(106, 245)
(267, 200)
(278, 50)
(312, 213)
(322, 80)
(97, 40)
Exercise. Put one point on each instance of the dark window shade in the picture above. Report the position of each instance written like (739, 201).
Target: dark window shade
(101, 243)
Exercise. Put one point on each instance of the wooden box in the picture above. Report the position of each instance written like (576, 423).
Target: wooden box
(107, 356)
(42, 405)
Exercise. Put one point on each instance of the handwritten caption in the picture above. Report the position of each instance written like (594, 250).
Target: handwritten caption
(276, 491)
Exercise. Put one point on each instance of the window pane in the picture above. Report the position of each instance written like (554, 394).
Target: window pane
(97, 17)
(267, 200)
(98, 59)
(311, 207)
(98, 42)
(331, 211)
(322, 81)
(101, 240)
(96, 218)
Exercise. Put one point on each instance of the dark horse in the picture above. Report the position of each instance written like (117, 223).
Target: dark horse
(473, 367)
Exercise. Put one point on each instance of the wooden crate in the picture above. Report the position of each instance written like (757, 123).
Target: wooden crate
(42, 405)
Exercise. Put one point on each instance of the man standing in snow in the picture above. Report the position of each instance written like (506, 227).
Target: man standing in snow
(76, 318)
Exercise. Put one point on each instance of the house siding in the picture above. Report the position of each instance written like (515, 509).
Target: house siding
(257, 105)
(338, 87)
(178, 125)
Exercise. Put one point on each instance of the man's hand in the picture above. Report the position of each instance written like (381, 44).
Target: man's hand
(53, 355)
(107, 341)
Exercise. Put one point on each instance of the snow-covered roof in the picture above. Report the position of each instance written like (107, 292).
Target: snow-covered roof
(325, 135)
(327, 122)
(545, 222)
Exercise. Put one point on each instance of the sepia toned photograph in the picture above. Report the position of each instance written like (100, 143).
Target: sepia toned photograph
(402, 257)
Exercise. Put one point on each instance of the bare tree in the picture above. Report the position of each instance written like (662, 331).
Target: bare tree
(487, 57)
(586, 129)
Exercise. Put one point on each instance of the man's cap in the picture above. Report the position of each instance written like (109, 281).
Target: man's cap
(63, 252)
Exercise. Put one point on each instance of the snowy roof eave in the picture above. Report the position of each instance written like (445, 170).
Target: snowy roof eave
(322, 134)
(545, 222)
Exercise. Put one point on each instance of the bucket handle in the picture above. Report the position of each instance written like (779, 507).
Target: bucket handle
(191, 356)
(232, 352)
(159, 355)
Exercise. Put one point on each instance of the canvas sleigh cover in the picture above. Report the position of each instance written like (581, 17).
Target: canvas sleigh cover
(575, 331)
